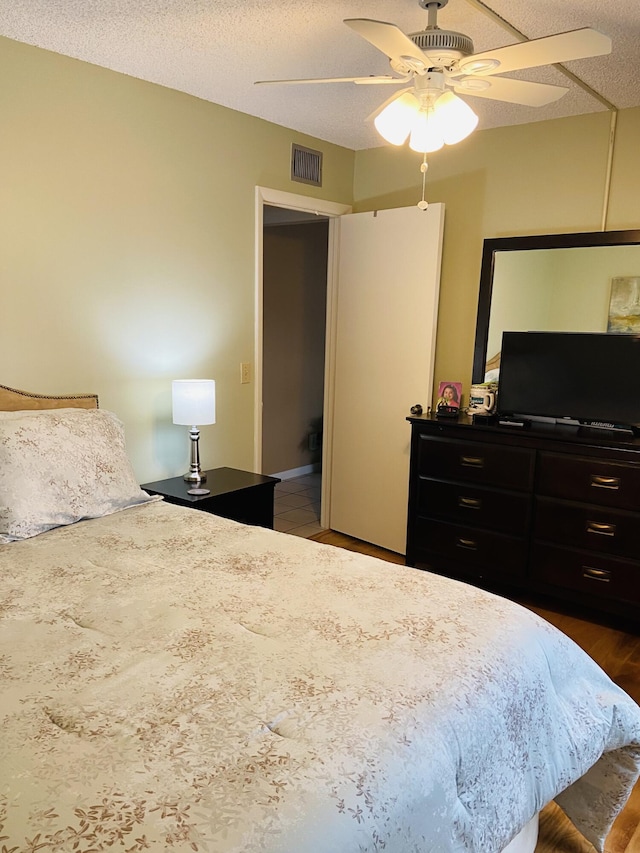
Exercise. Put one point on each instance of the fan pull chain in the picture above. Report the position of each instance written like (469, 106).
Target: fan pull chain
(422, 204)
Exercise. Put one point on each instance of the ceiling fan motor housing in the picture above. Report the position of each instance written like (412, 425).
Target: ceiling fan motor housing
(442, 46)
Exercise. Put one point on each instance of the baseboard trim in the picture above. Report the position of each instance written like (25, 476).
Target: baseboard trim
(292, 473)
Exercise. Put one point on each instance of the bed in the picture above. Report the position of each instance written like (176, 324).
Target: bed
(176, 680)
(492, 368)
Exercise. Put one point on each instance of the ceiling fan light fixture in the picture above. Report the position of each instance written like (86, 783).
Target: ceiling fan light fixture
(430, 120)
(396, 119)
(455, 117)
(426, 131)
(437, 60)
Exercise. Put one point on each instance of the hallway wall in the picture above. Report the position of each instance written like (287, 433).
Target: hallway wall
(295, 294)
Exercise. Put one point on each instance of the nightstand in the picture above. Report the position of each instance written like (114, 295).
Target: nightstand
(239, 495)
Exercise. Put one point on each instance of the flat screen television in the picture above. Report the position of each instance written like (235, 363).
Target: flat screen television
(589, 378)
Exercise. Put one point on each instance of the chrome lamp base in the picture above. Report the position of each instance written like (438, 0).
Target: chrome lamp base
(195, 473)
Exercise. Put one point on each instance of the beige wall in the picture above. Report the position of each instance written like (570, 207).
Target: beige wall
(127, 246)
(127, 234)
(547, 177)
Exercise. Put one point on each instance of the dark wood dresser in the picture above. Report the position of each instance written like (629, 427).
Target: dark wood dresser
(546, 509)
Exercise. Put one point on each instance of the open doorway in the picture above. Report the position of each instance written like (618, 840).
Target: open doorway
(295, 263)
(309, 207)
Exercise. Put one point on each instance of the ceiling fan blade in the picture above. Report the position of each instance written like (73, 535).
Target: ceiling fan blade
(384, 78)
(563, 47)
(513, 91)
(373, 79)
(390, 40)
(388, 101)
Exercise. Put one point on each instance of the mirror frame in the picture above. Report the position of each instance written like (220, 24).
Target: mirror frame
(494, 245)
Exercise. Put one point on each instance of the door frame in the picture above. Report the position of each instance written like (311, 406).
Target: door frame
(332, 210)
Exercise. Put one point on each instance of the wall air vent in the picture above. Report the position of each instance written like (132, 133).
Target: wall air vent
(306, 165)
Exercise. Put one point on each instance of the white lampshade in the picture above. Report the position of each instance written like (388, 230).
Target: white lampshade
(394, 122)
(194, 401)
(457, 119)
(426, 131)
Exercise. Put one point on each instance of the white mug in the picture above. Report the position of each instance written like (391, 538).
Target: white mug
(482, 399)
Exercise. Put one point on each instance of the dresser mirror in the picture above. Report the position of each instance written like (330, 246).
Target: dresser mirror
(552, 282)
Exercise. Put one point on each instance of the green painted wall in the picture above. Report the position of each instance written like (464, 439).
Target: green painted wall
(127, 234)
(127, 246)
(547, 177)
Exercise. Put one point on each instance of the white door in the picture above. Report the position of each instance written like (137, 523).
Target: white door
(386, 314)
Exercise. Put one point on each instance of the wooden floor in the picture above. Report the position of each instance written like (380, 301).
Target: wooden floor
(618, 653)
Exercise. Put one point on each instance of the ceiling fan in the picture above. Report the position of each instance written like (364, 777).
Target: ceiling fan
(441, 64)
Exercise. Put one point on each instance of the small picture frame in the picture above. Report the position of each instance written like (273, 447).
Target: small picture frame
(449, 395)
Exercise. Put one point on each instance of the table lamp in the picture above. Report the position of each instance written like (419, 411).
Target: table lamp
(194, 404)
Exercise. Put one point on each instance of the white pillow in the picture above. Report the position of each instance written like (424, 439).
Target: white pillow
(58, 466)
(492, 375)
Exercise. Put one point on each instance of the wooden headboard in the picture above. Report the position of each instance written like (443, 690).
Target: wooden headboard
(12, 400)
(493, 362)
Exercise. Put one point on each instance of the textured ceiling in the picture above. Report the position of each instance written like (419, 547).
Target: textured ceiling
(217, 49)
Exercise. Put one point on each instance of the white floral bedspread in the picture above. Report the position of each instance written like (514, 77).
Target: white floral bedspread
(175, 681)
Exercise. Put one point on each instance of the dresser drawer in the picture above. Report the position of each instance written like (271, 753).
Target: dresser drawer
(468, 504)
(592, 528)
(478, 551)
(594, 574)
(594, 481)
(476, 462)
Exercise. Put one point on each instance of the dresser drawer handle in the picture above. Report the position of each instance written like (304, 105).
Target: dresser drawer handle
(469, 544)
(601, 528)
(469, 503)
(596, 574)
(472, 461)
(605, 482)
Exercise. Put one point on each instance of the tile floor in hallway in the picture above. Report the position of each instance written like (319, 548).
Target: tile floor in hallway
(297, 505)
